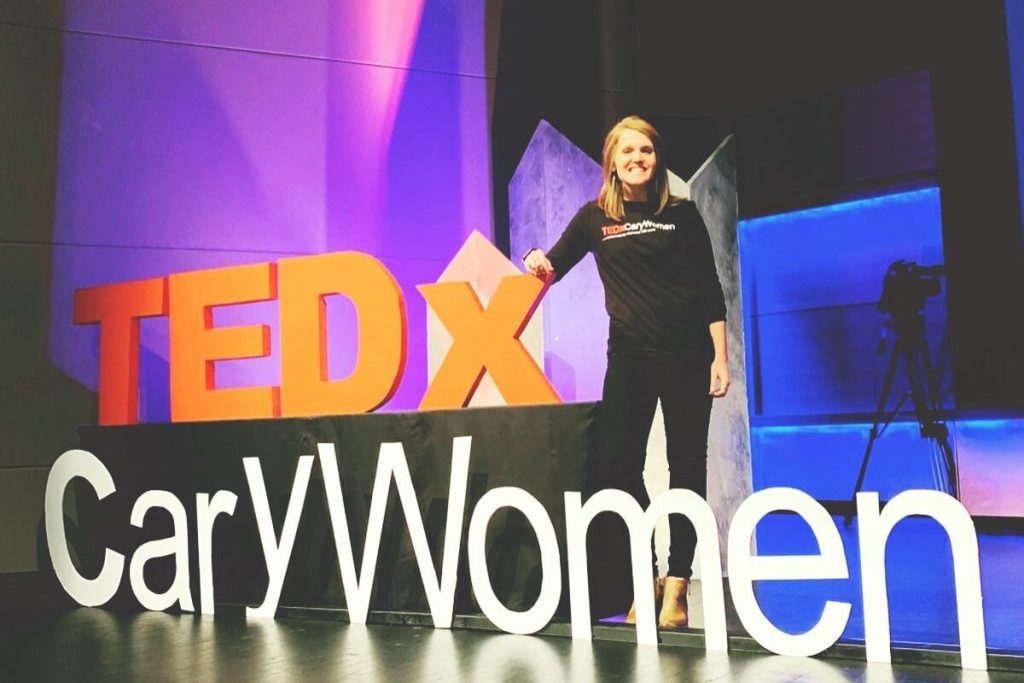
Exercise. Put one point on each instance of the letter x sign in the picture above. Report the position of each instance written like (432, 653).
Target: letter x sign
(487, 340)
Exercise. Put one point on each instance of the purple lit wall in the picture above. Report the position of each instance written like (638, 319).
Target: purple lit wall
(195, 135)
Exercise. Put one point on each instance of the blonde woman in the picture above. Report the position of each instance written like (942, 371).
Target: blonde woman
(667, 336)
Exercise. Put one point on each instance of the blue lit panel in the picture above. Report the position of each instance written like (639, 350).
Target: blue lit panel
(836, 255)
(811, 283)
(824, 460)
(827, 361)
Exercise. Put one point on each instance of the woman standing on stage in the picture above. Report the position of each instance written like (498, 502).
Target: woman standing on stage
(667, 328)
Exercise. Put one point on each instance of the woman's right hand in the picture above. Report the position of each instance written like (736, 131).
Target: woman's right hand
(538, 264)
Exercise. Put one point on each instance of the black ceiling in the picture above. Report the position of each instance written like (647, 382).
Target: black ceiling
(717, 57)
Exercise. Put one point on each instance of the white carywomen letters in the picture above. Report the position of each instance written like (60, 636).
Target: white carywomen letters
(828, 563)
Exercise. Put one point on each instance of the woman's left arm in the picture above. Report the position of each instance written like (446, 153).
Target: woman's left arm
(720, 365)
(713, 301)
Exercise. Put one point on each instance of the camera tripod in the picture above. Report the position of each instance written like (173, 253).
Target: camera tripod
(910, 346)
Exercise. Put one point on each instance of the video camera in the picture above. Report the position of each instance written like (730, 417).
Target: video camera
(906, 285)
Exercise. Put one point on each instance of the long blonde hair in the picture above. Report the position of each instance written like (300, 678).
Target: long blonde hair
(611, 197)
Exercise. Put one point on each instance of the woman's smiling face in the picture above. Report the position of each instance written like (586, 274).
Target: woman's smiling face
(635, 159)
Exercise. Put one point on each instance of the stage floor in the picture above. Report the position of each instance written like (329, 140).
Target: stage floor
(84, 645)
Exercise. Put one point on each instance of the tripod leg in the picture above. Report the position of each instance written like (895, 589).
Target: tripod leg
(943, 436)
(925, 397)
(918, 392)
(883, 399)
(942, 432)
(947, 453)
(931, 381)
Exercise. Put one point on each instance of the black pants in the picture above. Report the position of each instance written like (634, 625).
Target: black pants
(632, 387)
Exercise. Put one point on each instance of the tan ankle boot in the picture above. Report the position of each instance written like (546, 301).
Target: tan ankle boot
(673, 607)
(659, 589)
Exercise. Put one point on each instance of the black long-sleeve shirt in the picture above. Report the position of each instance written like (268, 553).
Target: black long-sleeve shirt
(660, 282)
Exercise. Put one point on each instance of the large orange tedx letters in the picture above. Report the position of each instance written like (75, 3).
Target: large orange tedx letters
(118, 308)
(305, 283)
(487, 340)
(196, 344)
